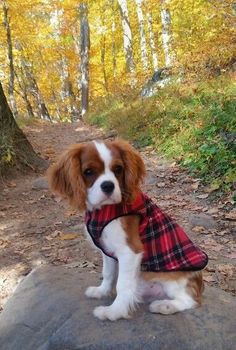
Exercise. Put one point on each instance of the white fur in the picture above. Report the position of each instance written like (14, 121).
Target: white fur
(114, 240)
(179, 298)
(96, 197)
(109, 271)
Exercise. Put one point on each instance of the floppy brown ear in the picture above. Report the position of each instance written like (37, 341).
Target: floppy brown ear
(65, 178)
(134, 169)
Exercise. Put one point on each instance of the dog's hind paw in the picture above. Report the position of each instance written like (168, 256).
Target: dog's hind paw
(164, 307)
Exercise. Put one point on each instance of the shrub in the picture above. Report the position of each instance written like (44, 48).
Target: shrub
(194, 123)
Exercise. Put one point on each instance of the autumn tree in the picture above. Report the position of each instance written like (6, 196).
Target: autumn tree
(58, 56)
(14, 146)
(84, 54)
(143, 43)
(11, 83)
(127, 36)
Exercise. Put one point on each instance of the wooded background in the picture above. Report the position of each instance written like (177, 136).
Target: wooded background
(65, 60)
(58, 55)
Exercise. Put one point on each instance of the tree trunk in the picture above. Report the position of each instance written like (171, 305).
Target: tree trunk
(10, 59)
(43, 111)
(143, 44)
(151, 39)
(34, 90)
(127, 35)
(103, 51)
(24, 94)
(84, 54)
(67, 94)
(166, 38)
(103, 48)
(69, 103)
(113, 43)
(15, 149)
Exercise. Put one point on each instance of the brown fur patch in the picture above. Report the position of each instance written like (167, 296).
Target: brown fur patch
(165, 276)
(130, 224)
(133, 165)
(66, 176)
(195, 286)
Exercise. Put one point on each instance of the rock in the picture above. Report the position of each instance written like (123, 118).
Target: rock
(160, 79)
(213, 211)
(111, 134)
(49, 311)
(204, 220)
(40, 184)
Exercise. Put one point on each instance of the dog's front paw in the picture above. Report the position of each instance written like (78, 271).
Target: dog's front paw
(96, 292)
(109, 313)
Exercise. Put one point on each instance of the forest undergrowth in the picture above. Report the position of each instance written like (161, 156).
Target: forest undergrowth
(191, 122)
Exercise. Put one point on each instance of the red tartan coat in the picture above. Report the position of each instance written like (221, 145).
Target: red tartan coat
(166, 246)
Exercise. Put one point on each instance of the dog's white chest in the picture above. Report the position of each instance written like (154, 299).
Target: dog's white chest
(113, 238)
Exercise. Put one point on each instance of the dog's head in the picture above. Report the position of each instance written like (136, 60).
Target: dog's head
(94, 174)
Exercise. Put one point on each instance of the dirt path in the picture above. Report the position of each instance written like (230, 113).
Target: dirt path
(36, 228)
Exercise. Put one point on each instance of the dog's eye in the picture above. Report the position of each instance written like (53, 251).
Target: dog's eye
(118, 170)
(88, 172)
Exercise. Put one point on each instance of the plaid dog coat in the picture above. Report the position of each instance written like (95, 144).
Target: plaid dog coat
(166, 247)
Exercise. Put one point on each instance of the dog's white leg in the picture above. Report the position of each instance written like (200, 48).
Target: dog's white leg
(109, 274)
(127, 295)
(180, 299)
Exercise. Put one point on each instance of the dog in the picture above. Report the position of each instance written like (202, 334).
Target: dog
(145, 252)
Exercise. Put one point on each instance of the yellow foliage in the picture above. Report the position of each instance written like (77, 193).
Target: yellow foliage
(46, 34)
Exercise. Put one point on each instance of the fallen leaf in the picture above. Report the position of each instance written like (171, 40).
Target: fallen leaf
(231, 215)
(160, 174)
(4, 243)
(199, 229)
(227, 269)
(222, 233)
(213, 211)
(195, 185)
(224, 240)
(210, 241)
(231, 255)
(70, 213)
(81, 264)
(209, 278)
(202, 196)
(11, 184)
(67, 236)
(55, 233)
(217, 247)
(57, 199)
(46, 248)
(213, 187)
(210, 269)
(49, 151)
(161, 184)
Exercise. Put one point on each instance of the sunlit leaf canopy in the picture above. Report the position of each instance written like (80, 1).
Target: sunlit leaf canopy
(46, 35)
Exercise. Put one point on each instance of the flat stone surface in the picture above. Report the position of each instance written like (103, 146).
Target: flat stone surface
(49, 311)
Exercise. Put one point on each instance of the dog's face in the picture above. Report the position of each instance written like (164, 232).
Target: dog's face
(94, 174)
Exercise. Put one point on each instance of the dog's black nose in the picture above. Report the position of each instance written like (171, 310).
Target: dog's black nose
(107, 187)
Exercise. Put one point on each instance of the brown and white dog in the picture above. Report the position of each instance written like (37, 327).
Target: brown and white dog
(97, 174)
